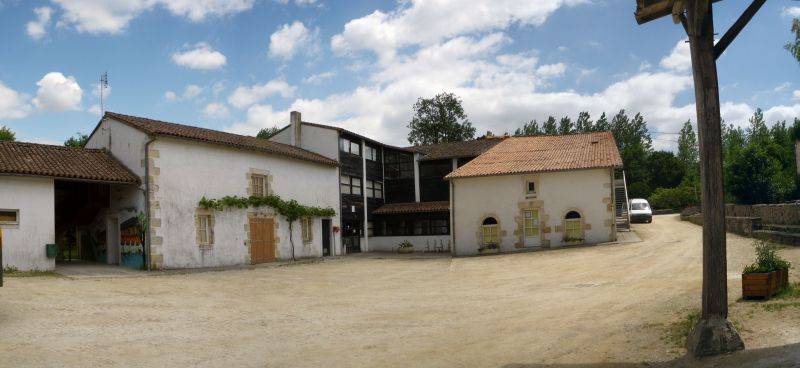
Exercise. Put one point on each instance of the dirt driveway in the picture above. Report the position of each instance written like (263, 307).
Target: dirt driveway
(594, 306)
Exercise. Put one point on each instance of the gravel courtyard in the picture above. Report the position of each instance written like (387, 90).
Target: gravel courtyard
(580, 307)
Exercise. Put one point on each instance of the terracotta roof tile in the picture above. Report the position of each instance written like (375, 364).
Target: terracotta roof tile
(517, 155)
(413, 207)
(163, 128)
(18, 158)
(471, 148)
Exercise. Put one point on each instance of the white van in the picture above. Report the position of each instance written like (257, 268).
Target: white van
(640, 211)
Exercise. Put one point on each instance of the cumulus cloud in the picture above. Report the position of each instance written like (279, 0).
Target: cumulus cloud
(189, 92)
(244, 96)
(13, 105)
(319, 77)
(216, 111)
(298, 2)
(38, 28)
(170, 96)
(58, 93)
(201, 57)
(288, 40)
(112, 17)
(680, 59)
(792, 11)
(796, 95)
(419, 22)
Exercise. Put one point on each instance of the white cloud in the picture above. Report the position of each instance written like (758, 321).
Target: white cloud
(216, 111)
(796, 95)
(319, 77)
(792, 11)
(112, 17)
(170, 96)
(96, 90)
(418, 22)
(191, 91)
(245, 96)
(298, 2)
(38, 28)
(782, 87)
(200, 56)
(95, 110)
(782, 113)
(288, 40)
(58, 93)
(13, 105)
(680, 59)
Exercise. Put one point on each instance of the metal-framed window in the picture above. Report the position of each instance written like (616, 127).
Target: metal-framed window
(346, 145)
(370, 153)
(374, 189)
(350, 185)
(9, 217)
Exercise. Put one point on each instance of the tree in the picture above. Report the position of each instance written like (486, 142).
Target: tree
(530, 128)
(267, 133)
(664, 170)
(79, 140)
(794, 46)
(635, 145)
(549, 127)
(687, 146)
(602, 125)
(752, 174)
(758, 132)
(6, 134)
(565, 126)
(584, 123)
(439, 119)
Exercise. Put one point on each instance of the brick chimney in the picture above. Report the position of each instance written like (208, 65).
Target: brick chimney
(297, 130)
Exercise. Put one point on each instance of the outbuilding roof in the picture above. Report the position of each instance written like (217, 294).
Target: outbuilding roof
(19, 158)
(163, 128)
(446, 150)
(413, 207)
(517, 155)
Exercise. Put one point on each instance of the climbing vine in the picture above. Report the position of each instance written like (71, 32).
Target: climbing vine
(291, 209)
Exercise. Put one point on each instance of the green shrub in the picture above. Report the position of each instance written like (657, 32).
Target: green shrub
(767, 259)
(673, 198)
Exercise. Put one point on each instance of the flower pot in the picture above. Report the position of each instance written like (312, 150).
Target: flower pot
(760, 285)
(405, 250)
(784, 278)
(488, 250)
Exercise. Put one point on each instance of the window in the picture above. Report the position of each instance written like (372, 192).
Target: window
(530, 187)
(531, 222)
(440, 227)
(398, 165)
(374, 189)
(490, 231)
(350, 185)
(422, 227)
(258, 185)
(346, 145)
(370, 228)
(205, 230)
(370, 153)
(9, 217)
(639, 206)
(306, 224)
(572, 226)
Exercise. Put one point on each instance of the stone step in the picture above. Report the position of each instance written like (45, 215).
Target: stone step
(783, 228)
(778, 237)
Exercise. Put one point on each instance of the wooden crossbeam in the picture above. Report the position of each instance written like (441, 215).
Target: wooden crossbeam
(649, 10)
(737, 27)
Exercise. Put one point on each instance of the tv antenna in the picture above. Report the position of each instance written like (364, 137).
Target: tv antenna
(103, 87)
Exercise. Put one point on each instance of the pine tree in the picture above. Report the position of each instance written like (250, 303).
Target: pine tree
(688, 151)
(584, 123)
(549, 127)
(565, 126)
(530, 128)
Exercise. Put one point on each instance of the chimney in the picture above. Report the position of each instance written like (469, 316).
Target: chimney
(295, 121)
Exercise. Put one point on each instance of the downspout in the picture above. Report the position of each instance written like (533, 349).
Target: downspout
(147, 234)
(452, 217)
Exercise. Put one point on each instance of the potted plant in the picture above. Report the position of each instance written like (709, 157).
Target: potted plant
(405, 247)
(767, 276)
(489, 248)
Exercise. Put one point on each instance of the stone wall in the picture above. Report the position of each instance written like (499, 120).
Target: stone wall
(771, 222)
(773, 214)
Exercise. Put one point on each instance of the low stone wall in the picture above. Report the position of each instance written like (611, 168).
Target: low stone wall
(775, 214)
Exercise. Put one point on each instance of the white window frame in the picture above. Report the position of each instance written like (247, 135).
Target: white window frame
(374, 189)
(530, 224)
(16, 216)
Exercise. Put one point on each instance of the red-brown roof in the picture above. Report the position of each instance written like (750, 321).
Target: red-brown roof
(516, 155)
(471, 148)
(163, 128)
(413, 207)
(19, 158)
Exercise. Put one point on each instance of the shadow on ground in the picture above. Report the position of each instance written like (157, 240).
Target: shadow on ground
(778, 357)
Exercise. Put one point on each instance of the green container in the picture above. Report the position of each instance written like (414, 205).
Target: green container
(52, 250)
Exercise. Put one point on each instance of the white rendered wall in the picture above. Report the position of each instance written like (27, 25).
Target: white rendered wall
(586, 190)
(389, 243)
(190, 170)
(324, 141)
(24, 243)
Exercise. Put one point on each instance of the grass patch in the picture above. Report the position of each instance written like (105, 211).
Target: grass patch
(14, 272)
(676, 332)
(773, 307)
(790, 292)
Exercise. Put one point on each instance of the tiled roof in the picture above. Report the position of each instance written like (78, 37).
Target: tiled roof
(517, 155)
(413, 207)
(18, 158)
(471, 148)
(163, 128)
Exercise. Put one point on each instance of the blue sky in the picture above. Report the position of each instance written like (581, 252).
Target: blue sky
(240, 65)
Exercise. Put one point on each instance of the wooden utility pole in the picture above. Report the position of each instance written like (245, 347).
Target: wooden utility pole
(713, 334)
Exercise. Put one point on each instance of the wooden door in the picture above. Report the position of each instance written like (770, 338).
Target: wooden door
(262, 240)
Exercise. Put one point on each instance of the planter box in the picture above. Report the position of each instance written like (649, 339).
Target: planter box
(761, 285)
(488, 250)
(405, 250)
(784, 278)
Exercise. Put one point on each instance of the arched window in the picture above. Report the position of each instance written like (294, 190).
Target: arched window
(573, 227)
(490, 231)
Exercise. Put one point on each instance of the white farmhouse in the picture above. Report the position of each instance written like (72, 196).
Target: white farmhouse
(535, 192)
